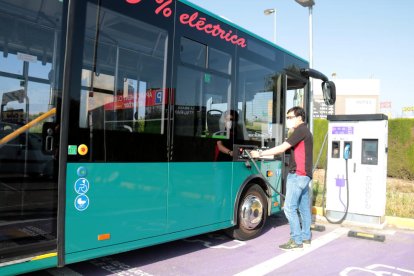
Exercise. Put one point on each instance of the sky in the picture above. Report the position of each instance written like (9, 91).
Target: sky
(356, 39)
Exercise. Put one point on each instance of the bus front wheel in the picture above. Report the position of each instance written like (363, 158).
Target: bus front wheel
(252, 213)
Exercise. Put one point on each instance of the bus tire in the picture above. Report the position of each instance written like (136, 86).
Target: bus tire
(251, 214)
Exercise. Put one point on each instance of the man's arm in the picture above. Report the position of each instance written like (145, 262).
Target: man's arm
(223, 149)
(273, 151)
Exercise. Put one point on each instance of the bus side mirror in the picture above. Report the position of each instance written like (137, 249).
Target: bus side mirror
(329, 92)
(328, 87)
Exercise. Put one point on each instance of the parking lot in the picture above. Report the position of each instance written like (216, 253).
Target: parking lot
(332, 252)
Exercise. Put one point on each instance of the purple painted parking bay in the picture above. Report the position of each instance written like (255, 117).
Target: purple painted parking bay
(332, 252)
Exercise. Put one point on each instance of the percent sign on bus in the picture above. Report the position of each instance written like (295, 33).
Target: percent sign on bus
(166, 11)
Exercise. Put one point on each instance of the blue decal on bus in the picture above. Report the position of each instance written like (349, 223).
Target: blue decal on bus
(81, 202)
(81, 186)
(82, 172)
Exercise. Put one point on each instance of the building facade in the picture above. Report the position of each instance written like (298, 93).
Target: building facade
(353, 96)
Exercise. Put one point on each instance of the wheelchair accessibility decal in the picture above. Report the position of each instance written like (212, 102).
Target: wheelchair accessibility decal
(81, 188)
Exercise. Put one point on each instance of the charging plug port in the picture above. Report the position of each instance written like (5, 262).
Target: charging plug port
(347, 150)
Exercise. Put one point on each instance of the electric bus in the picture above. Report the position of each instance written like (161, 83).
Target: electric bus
(111, 112)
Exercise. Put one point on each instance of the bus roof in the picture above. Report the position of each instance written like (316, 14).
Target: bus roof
(218, 17)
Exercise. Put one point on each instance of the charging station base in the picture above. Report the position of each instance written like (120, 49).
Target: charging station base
(368, 221)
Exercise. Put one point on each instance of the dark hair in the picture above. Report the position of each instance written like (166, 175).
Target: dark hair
(234, 114)
(298, 111)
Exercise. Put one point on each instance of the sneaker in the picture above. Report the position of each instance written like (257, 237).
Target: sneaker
(291, 246)
(306, 243)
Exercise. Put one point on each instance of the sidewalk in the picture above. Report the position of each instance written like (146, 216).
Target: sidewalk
(393, 222)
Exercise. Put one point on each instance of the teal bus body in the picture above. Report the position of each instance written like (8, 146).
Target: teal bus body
(138, 206)
(111, 117)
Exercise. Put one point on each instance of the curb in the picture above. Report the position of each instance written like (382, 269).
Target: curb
(402, 223)
(397, 222)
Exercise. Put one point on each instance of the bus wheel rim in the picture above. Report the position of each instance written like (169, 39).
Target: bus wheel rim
(251, 212)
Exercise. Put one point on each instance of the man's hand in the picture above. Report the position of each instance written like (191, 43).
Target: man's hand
(254, 154)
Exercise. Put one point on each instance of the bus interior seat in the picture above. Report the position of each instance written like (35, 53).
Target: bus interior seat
(213, 120)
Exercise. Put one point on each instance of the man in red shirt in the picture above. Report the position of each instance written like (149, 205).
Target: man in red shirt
(297, 183)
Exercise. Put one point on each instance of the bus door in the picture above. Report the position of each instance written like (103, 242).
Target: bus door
(203, 67)
(294, 94)
(117, 171)
(259, 95)
(30, 34)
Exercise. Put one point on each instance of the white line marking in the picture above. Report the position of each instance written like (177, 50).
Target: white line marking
(387, 270)
(375, 266)
(358, 269)
(285, 258)
(208, 244)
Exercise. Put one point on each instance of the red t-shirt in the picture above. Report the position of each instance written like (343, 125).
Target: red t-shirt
(301, 159)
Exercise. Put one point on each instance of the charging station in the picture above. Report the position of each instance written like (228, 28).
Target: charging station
(357, 168)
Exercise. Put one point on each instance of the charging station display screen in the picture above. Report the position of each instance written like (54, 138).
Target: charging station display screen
(369, 151)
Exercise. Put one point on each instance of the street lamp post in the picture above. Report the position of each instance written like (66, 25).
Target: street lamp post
(309, 4)
(269, 12)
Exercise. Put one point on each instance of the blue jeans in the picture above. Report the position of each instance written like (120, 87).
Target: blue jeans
(297, 197)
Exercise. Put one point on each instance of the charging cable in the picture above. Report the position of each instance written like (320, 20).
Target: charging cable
(347, 152)
(260, 172)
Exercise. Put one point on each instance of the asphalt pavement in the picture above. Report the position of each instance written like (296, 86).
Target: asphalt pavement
(332, 252)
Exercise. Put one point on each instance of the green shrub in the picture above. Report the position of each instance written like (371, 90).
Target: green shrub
(401, 148)
(320, 127)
